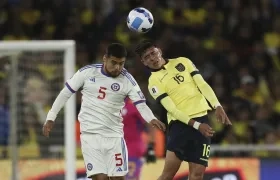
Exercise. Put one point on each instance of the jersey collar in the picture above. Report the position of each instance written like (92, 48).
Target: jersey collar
(103, 71)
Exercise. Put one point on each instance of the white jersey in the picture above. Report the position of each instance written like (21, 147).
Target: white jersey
(103, 99)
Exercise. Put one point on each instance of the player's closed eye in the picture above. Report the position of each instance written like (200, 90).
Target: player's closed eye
(148, 56)
(117, 63)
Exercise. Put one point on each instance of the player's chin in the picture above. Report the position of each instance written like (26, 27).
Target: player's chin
(155, 67)
(115, 74)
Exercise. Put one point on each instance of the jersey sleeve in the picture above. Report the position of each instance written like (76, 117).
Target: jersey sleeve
(76, 81)
(156, 89)
(137, 97)
(135, 94)
(190, 66)
(203, 86)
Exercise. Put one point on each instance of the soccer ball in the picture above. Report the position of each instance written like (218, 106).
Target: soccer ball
(140, 20)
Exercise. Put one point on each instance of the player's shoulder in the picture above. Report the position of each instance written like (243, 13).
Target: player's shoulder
(154, 77)
(90, 67)
(180, 59)
(181, 63)
(126, 76)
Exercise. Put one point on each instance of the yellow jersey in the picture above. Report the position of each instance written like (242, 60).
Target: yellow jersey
(177, 80)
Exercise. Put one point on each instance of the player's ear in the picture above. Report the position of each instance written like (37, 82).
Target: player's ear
(160, 51)
(145, 64)
(104, 58)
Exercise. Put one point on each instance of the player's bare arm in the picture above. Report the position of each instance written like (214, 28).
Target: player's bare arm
(222, 116)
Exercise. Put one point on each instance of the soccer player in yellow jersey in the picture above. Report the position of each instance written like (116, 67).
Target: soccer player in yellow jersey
(179, 87)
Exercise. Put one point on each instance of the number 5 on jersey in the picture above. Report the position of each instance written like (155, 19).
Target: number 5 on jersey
(119, 160)
(102, 93)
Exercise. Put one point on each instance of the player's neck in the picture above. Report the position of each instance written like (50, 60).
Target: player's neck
(164, 62)
(104, 71)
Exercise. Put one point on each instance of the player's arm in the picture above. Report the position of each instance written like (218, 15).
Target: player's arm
(71, 86)
(139, 100)
(207, 92)
(203, 86)
(150, 153)
(150, 130)
(158, 92)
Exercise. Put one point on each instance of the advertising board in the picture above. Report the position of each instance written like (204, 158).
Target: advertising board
(219, 169)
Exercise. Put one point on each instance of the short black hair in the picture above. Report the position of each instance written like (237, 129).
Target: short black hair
(117, 50)
(143, 46)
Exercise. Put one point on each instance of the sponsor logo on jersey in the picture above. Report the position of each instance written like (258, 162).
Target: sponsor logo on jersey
(119, 169)
(115, 87)
(92, 79)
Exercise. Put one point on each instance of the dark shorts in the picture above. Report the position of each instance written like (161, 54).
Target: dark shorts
(188, 143)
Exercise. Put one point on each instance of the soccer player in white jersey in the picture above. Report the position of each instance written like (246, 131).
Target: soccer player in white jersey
(104, 88)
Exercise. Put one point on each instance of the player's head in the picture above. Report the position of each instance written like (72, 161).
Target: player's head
(150, 54)
(114, 59)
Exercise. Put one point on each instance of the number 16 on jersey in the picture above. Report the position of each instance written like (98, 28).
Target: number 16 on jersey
(179, 79)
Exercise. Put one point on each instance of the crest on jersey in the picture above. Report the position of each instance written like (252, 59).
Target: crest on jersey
(180, 67)
(115, 87)
(89, 166)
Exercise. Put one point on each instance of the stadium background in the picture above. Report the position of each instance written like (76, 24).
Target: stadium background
(234, 43)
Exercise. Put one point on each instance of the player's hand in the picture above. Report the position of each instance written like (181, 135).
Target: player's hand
(222, 116)
(150, 155)
(158, 124)
(47, 128)
(206, 130)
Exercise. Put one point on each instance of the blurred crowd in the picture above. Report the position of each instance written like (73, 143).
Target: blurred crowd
(234, 43)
